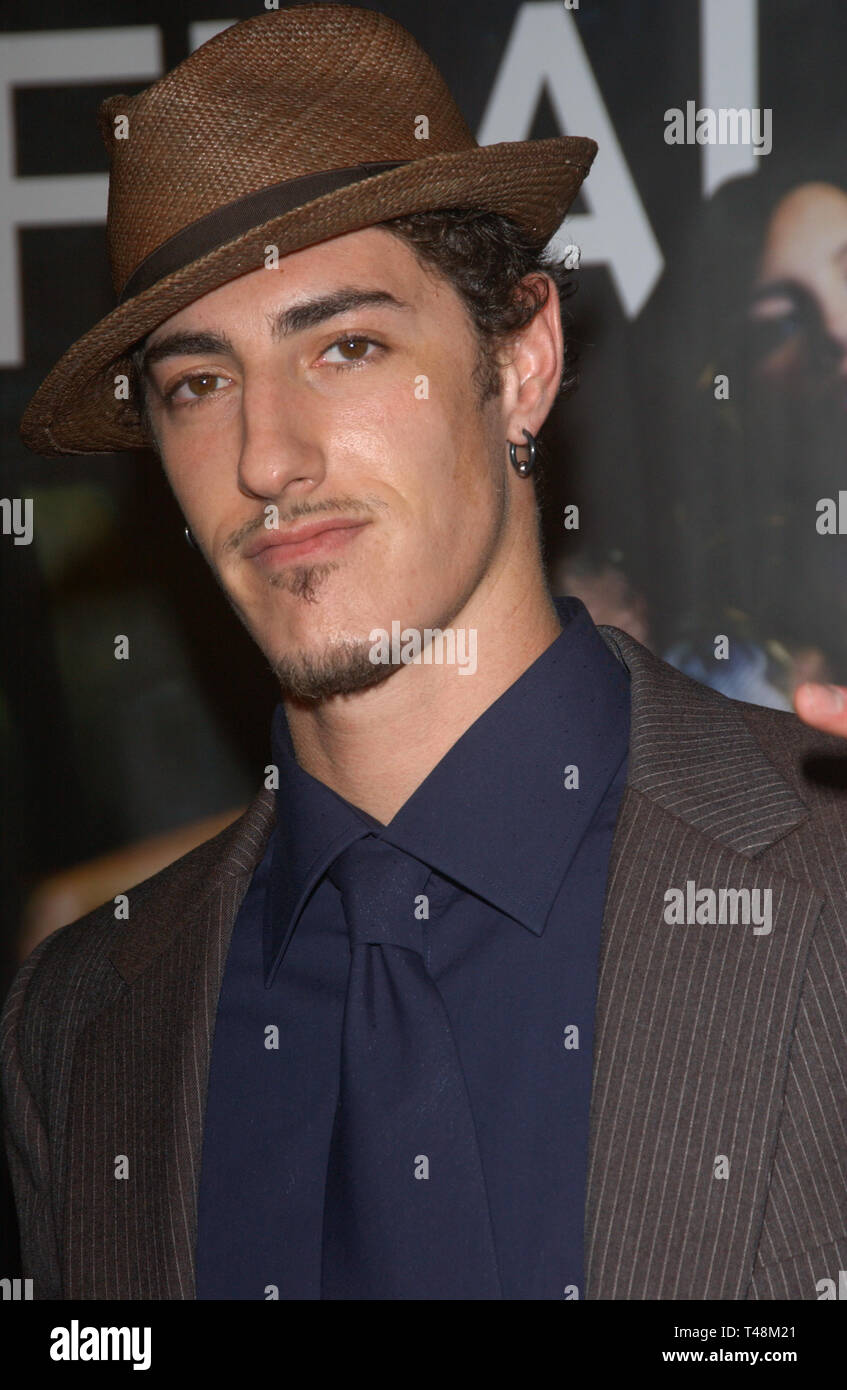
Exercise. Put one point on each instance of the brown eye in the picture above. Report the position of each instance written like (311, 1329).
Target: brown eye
(194, 389)
(358, 347)
(353, 349)
(201, 385)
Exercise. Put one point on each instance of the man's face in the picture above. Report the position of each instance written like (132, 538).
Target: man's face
(365, 420)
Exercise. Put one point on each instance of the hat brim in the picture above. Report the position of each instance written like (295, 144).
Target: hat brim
(534, 182)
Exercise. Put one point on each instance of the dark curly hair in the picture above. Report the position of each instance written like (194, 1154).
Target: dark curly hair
(486, 258)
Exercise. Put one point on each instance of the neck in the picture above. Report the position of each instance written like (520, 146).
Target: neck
(376, 746)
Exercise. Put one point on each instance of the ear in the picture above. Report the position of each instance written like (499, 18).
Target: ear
(532, 370)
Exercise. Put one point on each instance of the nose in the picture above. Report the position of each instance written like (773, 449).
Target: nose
(281, 447)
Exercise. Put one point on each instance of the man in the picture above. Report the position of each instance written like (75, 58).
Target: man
(523, 976)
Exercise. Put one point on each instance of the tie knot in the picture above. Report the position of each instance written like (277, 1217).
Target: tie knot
(380, 888)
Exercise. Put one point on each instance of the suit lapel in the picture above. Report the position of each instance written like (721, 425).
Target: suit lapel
(694, 1021)
(139, 1077)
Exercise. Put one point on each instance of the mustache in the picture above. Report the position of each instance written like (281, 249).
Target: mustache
(368, 505)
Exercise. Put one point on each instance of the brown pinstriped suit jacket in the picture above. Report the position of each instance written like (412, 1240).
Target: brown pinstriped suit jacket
(711, 1040)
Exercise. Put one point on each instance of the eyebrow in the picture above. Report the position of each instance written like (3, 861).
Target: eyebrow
(283, 323)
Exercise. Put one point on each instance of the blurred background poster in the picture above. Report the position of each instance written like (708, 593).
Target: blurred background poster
(692, 484)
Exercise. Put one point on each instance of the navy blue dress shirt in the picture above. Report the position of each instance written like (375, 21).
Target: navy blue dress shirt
(516, 822)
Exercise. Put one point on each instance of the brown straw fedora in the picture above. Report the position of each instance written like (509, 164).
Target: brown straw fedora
(283, 130)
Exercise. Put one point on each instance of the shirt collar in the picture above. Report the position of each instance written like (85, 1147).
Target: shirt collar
(495, 814)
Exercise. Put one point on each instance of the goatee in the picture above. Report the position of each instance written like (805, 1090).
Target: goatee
(346, 668)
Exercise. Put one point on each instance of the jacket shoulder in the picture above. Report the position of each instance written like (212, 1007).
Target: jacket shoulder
(814, 763)
(69, 976)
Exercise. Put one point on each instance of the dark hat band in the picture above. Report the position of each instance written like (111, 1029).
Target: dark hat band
(234, 219)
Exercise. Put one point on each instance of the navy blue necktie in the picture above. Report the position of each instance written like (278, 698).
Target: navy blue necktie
(406, 1212)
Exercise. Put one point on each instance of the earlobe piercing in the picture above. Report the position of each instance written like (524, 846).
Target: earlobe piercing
(523, 467)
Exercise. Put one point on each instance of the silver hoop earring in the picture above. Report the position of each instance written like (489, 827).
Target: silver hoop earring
(190, 539)
(523, 467)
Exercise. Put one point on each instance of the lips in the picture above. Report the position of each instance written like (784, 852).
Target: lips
(279, 546)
